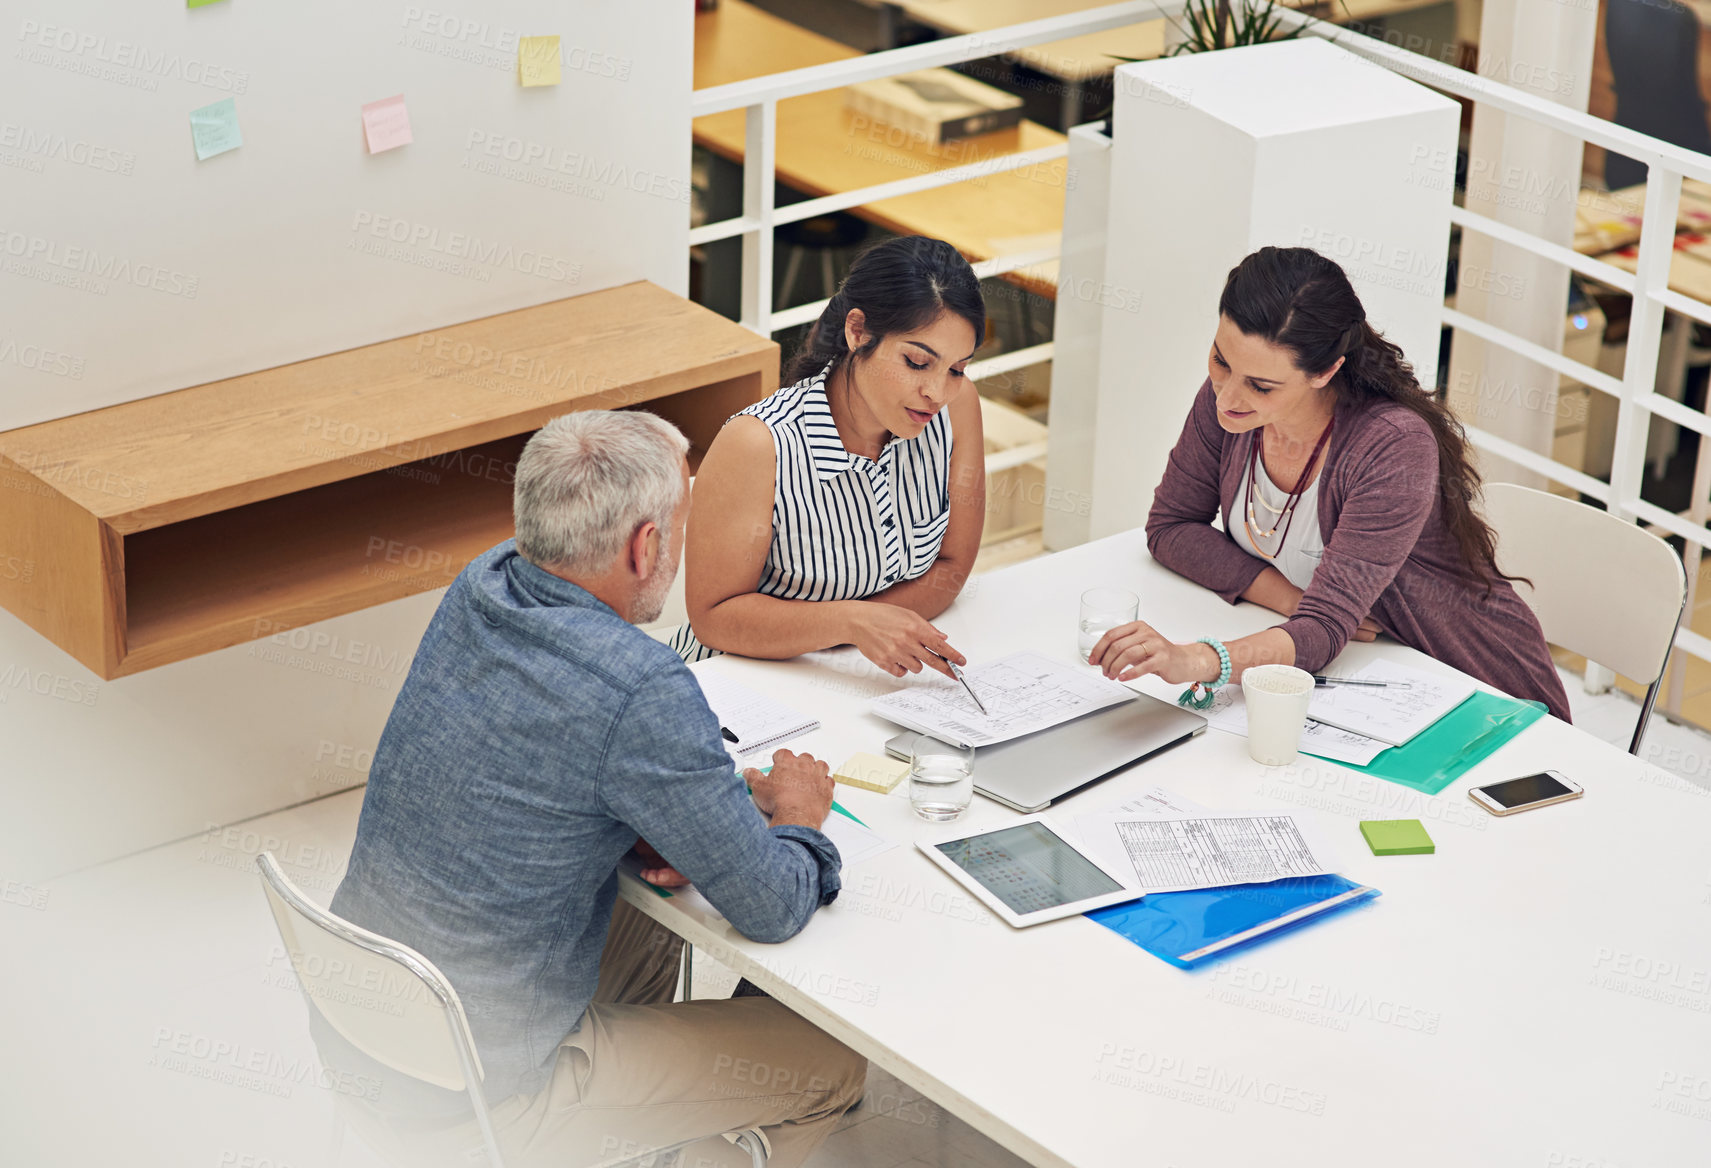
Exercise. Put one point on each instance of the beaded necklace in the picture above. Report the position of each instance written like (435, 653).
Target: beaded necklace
(1287, 515)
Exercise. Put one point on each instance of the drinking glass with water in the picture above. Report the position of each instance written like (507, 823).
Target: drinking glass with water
(1103, 609)
(941, 778)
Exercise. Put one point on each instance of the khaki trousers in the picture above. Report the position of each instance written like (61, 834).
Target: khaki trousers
(643, 1072)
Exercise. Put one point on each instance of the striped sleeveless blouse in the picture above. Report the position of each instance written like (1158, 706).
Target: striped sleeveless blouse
(843, 526)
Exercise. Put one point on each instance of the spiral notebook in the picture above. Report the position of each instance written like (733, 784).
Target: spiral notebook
(759, 723)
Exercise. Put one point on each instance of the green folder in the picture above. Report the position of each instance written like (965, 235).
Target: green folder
(1454, 744)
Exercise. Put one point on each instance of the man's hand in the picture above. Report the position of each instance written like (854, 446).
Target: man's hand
(655, 870)
(798, 791)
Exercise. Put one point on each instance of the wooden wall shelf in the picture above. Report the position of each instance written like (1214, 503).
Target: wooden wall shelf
(164, 528)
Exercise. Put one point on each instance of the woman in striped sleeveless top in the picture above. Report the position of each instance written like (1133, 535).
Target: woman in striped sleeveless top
(846, 508)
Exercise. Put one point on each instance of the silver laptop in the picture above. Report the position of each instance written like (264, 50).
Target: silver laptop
(1027, 773)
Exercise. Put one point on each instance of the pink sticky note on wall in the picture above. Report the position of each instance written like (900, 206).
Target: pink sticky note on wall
(386, 123)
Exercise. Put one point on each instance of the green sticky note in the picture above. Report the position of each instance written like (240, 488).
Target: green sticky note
(1397, 837)
(199, 3)
(214, 129)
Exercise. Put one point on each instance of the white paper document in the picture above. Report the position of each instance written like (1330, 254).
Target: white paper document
(1392, 714)
(1158, 803)
(856, 841)
(1178, 852)
(1229, 712)
(1023, 693)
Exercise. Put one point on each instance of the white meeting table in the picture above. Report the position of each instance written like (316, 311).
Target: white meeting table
(1537, 993)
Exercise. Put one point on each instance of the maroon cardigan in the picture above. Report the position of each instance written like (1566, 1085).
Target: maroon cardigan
(1388, 549)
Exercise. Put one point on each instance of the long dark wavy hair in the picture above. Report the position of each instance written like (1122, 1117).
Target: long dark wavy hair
(1296, 298)
(899, 285)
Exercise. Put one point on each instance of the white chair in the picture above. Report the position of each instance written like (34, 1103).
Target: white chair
(1601, 587)
(408, 1016)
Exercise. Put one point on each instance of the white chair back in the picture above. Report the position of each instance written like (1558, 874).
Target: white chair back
(1601, 587)
(391, 1003)
(384, 998)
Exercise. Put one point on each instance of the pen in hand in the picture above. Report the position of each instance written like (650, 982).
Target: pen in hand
(957, 673)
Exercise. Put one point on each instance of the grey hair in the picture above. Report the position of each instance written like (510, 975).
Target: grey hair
(586, 481)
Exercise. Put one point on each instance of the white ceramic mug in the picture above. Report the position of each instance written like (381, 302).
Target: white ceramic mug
(1277, 698)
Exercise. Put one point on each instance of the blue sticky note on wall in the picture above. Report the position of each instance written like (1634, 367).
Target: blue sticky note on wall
(214, 129)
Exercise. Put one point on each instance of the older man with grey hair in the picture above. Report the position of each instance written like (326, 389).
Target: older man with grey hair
(539, 737)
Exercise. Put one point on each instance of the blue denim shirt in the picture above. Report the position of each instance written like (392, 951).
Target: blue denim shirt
(537, 735)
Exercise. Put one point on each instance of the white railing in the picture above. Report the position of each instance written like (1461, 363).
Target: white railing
(1634, 392)
(760, 96)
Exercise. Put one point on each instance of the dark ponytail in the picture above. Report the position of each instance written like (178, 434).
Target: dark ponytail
(899, 285)
(1295, 297)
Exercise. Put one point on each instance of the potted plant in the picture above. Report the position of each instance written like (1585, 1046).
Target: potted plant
(1220, 24)
(1209, 25)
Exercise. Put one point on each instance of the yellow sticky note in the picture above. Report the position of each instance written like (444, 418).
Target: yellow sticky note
(872, 772)
(537, 60)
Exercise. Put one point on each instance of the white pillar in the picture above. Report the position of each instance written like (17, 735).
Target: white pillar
(1076, 330)
(1295, 143)
(1527, 176)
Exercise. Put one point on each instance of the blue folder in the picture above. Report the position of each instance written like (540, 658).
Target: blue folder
(1188, 929)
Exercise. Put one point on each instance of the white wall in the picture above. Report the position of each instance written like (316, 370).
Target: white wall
(275, 238)
(97, 769)
(127, 268)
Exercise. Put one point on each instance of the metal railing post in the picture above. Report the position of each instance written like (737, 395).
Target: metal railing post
(1645, 333)
(1640, 368)
(759, 148)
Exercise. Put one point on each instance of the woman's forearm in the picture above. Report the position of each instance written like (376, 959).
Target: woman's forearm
(1272, 647)
(1201, 553)
(1272, 589)
(755, 625)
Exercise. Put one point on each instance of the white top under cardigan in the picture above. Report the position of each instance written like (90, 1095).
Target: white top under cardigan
(1304, 547)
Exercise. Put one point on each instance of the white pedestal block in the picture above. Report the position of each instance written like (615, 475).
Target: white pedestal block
(1296, 143)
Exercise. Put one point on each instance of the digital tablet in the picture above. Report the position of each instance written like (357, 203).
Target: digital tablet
(1028, 871)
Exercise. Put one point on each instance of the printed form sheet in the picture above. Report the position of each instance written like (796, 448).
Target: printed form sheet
(1393, 714)
(1023, 693)
(1173, 853)
(1229, 712)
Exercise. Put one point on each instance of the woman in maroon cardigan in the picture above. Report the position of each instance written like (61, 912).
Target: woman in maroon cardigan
(1308, 409)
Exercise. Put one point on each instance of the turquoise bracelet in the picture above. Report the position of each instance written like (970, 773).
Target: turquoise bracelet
(1199, 695)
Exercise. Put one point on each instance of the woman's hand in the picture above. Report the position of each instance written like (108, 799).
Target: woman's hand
(1136, 649)
(1367, 630)
(899, 640)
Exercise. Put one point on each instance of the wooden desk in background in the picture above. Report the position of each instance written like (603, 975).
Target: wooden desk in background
(1607, 225)
(1072, 62)
(823, 148)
